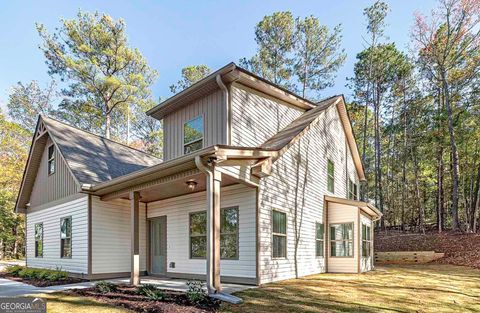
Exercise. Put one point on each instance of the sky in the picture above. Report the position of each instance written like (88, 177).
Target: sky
(175, 34)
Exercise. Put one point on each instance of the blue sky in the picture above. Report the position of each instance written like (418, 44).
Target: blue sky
(174, 34)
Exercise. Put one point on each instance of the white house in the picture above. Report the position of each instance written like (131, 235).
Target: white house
(257, 185)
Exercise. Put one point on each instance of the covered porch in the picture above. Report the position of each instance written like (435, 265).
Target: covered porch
(208, 180)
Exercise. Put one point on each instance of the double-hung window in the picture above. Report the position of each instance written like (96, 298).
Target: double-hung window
(319, 239)
(341, 240)
(51, 160)
(39, 240)
(330, 176)
(279, 234)
(352, 190)
(366, 241)
(66, 237)
(193, 135)
(228, 234)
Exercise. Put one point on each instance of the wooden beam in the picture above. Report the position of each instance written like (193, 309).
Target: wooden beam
(135, 238)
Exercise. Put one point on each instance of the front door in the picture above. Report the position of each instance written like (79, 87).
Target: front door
(158, 245)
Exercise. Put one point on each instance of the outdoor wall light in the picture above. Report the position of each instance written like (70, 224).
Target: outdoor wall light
(191, 184)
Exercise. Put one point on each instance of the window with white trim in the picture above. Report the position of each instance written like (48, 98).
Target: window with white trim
(319, 239)
(39, 240)
(366, 241)
(330, 176)
(66, 237)
(193, 135)
(51, 160)
(279, 240)
(341, 240)
(352, 190)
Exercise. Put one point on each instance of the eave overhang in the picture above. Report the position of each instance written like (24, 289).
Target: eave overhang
(366, 207)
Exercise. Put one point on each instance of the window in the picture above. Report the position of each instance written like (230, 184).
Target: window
(366, 241)
(228, 234)
(66, 237)
(352, 190)
(193, 135)
(51, 159)
(330, 176)
(341, 240)
(320, 232)
(39, 240)
(279, 234)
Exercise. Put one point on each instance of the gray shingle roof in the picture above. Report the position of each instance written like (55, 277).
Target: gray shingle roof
(94, 159)
(286, 135)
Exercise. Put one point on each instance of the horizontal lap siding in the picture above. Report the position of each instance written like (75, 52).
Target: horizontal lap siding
(325, 140)
(111, 237)
(338, 213)
(366, 263)
(50, 217)
(213, 111)
(256, 117)
(177, 211)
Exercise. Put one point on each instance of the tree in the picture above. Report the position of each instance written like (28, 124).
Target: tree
(27, 101)
(274, 35)
(318, 55)
(446, 42)
(93, 54)
(190, 75)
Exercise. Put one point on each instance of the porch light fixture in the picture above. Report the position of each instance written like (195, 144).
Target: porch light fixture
(191, 184)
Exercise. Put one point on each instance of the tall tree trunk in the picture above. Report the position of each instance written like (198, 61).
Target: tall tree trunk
(476, 201)
(453, 146)
(404, 157)
(378, 163)
(107, 125)
(440, 198)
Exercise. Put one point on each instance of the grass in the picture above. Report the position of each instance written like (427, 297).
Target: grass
(63, 303)
(396, 288)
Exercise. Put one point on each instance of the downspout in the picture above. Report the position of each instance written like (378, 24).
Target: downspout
(226, 100)
(209, 174)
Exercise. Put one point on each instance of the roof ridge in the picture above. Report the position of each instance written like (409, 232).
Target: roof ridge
(98, 136)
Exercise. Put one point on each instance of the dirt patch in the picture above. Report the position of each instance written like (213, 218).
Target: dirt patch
(127, 297)
(42, 282)
(460, 249)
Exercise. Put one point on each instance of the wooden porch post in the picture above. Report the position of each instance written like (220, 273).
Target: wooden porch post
(213, 230)
(135, 238)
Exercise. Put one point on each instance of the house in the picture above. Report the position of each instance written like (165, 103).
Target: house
(256, 185)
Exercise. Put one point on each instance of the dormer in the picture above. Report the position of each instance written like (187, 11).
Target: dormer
(229, 107)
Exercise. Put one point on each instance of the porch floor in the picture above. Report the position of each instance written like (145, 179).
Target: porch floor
(178, 284)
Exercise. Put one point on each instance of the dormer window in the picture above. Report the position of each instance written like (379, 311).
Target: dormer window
(51, 160)
(193, 135)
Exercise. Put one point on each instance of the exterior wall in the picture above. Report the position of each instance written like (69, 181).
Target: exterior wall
(256, 117)
(50, 215)
(214, 118)
(48, 188)
(111, 241)
(339, 213)
(366, 264)
(177, 211)
(325, 140)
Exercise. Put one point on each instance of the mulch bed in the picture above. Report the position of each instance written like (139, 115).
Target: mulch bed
(42, 282)
(459, 248)
(127, 297)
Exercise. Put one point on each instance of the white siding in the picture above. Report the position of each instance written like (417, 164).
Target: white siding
(325, 140)
(366, 264)
(257, 117)
(50, 217)
(214, 118)
(177, 211)
(111, 241)
(339, 213)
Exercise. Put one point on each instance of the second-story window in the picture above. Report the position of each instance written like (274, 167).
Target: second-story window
(352, 190)
(330, 176)
(51, 159)
(193, 135)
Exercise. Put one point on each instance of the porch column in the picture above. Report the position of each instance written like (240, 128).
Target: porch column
(213, 230)
(135, 238)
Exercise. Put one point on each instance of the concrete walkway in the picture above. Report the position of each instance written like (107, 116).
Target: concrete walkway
(9, 288)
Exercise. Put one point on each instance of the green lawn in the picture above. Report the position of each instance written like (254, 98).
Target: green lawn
(396, 288)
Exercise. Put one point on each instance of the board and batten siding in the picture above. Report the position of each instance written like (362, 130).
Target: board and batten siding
(366, 264)
(77, 208)
(287, 189)
(111, 237)
(212, 109)
(256, 117)
(48, 188)
(340, 213)
(177, 211)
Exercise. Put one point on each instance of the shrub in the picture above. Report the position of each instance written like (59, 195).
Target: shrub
(42, 274)
(27, 273)
(105, 286)
(55, 275)
(14, 269)
(196, 293)
(151, 292)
